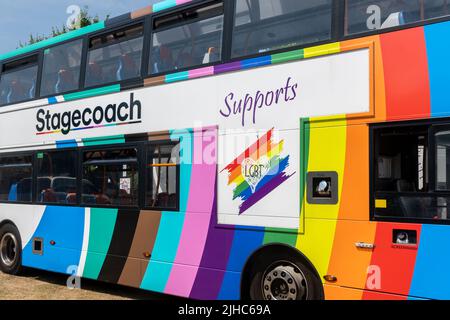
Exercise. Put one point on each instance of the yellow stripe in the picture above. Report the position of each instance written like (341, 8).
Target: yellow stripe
(322, 50)
(326, 153)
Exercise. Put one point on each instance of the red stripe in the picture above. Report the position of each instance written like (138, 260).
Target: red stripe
(395, 264)
(406, 74)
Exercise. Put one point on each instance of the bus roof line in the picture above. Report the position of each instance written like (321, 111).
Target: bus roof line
(157, 7)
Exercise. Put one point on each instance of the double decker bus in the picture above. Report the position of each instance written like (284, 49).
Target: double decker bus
(235, 149)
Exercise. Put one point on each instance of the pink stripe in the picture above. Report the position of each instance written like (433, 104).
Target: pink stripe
(182, 1)
(198, 215)
(202, 72)
(181, 280)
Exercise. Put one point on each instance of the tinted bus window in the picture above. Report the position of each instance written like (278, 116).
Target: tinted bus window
(368, 15)
(61, 69)
(162, 179)
(115, 57)
(197, 41)
(16, 178)
(262, 25)
(18, 81)
(56, 177)
(110, 177)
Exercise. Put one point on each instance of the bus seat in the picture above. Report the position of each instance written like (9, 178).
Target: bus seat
(162, 59)
(162, 200)
(95, 73)
(17, 92)
(49, 196)
(32, 90)
(64, 82)
(126, 68)
(185, 60)
(71, 198)
(394, 20)
(173, 200)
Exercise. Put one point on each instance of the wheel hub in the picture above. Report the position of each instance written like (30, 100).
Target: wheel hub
(8, 249)
(284, 282)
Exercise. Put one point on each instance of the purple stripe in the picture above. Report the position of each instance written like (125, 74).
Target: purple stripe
(264, 191)
(227, 67)
(214, 260)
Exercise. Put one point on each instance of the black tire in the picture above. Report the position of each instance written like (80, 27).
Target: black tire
(310, 288)
(10, 250)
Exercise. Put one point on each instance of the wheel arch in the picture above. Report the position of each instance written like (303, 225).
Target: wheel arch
(265, 251)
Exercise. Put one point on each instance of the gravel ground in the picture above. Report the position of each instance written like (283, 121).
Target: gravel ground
(41, 285)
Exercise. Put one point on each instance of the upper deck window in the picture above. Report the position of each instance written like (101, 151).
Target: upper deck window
(189, 38)
(369, 15)
(18, 80)
(262, 25)
(61, 71)
(115, 56)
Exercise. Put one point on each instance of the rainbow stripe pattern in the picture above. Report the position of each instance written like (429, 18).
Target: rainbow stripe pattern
(193, 256)
(258, 171)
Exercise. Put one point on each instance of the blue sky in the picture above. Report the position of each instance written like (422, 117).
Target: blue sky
(20, 18)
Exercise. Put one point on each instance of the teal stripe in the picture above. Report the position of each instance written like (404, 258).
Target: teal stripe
(171, 225)
(101, 230)
(89, 142)
(54, 40)
(92, 93)
(180, 76)
(164, 5)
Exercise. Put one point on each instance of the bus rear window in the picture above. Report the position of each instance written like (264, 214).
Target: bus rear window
(261, 26)
(371, 15)
(18, 81)
(187, 39)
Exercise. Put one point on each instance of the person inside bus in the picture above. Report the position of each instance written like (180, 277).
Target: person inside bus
(94, 74)
(65, 81)
(162, 59)
(126, 68)
(17, 92)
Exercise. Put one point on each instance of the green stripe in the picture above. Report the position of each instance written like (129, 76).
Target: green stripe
(285, 236)
(304, 158)
(163, 5)
(54, 40)
(100, 141)
(287, 56)
(174, 77)
(101, 231)
(92, 93)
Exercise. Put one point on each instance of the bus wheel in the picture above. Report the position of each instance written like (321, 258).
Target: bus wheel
(10, 249)
(285, 280)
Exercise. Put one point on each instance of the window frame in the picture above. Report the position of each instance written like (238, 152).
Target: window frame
(132, 81)
(146, 181)
(37, 63)
(35, 177)
(194, 4)
(375, 32)
(334, 36)
(82, 67)
(120, 146)
(33, 171)
(434, 125)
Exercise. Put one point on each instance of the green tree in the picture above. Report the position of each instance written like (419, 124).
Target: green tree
(84, 19)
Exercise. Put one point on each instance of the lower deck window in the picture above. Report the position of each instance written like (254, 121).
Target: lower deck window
(410, 172)
(162, 176)
(57, 177)
(16, 178)
(110, 177)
